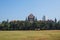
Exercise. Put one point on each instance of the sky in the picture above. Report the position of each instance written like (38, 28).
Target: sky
(20, 9)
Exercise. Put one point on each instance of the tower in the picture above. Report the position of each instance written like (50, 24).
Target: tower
(31, 18)
(44, 18)
(55, 20)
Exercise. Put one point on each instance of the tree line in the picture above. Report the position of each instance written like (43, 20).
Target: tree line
(26, 25)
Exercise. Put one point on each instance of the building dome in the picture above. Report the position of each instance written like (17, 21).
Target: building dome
(31, 16)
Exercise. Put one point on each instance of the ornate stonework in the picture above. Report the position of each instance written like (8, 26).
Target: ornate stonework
(31, 18)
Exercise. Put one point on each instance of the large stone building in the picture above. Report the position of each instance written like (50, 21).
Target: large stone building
(31, 18)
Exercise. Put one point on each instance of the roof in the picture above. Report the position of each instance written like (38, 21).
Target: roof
(31, 16)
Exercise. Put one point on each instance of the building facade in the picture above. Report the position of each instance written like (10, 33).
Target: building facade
(31, 18)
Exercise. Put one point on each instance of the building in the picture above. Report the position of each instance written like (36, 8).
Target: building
(44, 18)
(31, 18)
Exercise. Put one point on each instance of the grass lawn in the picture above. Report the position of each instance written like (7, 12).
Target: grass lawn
(30, 35)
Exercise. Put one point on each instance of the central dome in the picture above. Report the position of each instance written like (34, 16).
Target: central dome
(31, 16)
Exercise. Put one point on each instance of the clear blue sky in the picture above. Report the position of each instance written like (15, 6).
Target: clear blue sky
(20, 9)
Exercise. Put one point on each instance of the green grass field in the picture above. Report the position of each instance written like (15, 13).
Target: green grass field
(30, 35)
